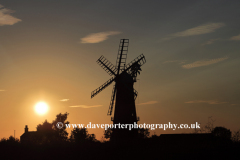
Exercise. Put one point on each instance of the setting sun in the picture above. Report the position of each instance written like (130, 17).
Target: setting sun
(41, 108)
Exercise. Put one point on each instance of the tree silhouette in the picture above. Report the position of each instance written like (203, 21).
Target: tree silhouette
(11, 140)
(92, 138)
(222, 132)
(62, 134)
(236, 136)
(208, 128)
(49, 133)
(80, 135)
(3, 140)
(143, 133)
(108, 133)
(45, 133)
(46, 126)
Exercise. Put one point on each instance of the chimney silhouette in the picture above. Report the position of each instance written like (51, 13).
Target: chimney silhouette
(26, 129)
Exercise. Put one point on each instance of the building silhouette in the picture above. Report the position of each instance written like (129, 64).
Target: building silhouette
(28, 136)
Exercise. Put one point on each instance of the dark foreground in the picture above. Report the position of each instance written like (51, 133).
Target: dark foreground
(144, 149)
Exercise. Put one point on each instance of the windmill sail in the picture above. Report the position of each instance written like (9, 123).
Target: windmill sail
(122, 54)
(112, 100)
(107, 66)
(99, 89)
(140, 60)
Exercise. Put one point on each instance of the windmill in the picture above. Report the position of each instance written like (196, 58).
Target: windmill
(123, 93)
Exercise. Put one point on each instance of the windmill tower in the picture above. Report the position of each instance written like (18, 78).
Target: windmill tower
(123, 93)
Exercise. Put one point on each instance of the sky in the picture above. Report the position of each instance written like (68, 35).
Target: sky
(49, 48)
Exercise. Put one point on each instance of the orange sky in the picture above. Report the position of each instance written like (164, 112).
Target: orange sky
(48, 52)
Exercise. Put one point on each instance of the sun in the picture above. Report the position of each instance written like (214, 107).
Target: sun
(41, 108)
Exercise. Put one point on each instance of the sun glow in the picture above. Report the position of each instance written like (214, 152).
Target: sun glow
(41, 108)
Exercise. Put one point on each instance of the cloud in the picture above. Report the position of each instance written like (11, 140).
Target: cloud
(211, 41)
(203, 29)
(85, 106)
(209, 102)
(235, 38)
(6, 18)
(149, 102)
(98, 37)
(64, 100)
(175, 61)
(203, 63)
(2, 90)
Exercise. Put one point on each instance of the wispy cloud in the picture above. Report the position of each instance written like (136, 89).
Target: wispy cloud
(175, 61)
(98, 37)
(235, 38)
(211, 41)
(203, 29)
(149, 102)
(64, 100)
(86, 106)
(208, 102)
(203, 63)
(6, 18)
(2, 90)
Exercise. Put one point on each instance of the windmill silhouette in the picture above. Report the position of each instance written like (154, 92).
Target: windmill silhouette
(123, 93)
